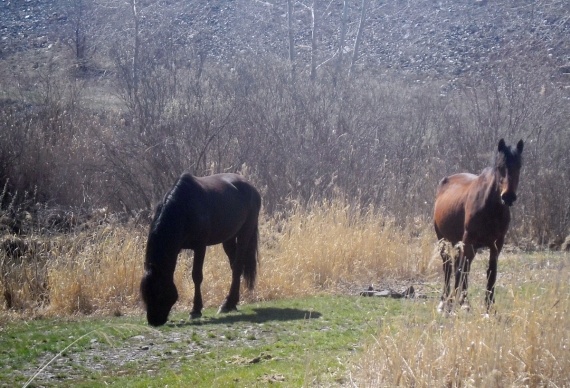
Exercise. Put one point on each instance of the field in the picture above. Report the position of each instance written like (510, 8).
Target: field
(296, 342)
(345, 116)
(304, 325)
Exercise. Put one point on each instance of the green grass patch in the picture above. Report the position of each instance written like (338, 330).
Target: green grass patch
(295, 342)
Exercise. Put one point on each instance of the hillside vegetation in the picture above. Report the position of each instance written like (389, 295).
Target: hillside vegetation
(103, 105)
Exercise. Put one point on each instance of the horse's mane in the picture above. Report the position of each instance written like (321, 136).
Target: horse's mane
(168, 208)
(163, 225)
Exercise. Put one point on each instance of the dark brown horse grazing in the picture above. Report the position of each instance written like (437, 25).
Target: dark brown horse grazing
(474, 210)
(196, 213)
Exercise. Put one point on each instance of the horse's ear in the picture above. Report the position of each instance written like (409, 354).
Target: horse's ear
(520, 145)
(502, 145)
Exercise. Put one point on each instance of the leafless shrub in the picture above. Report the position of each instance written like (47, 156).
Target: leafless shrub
(373, 138)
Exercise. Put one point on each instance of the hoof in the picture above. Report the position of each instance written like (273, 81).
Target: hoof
(491, 311)
(226, 309)
(440, 307)
(195, 314)
(445, 308)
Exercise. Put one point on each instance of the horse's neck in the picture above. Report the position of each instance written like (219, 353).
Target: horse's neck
(490, 177)
(162, 251)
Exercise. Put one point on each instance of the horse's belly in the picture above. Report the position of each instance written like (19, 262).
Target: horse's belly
(450, 228)
(449, 218)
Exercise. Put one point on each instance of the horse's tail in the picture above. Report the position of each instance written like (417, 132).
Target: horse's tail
(251, 255)
(250, 259)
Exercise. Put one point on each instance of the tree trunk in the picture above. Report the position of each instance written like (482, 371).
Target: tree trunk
(291, 39)
(136, 53)
(341, 40)
(80, 45)
(314, 46)
(358, 37)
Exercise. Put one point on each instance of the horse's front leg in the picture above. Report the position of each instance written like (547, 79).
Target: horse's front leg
(469, 255)
(447, 270)
(466, 255)
(197, 277)
(492, 273)
(231, 301)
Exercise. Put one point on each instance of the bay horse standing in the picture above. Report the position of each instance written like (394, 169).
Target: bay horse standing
(474, 210)
(196, 213)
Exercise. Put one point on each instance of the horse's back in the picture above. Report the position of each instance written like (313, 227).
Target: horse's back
(231, 188)
(223, 181)
(219, 205)
(449, 208)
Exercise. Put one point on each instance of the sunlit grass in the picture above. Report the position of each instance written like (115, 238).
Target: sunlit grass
(319, 248)
(331, 247)
(334, 243)
(101, 271)
(525, 342)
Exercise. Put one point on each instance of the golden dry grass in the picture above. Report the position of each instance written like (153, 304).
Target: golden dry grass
(332, 244)
(525, 343)
(317, 249)
(101, 272)
(323, 248)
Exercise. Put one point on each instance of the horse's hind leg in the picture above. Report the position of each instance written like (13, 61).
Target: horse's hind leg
(231, 301)
(466, 256)
(197, 277)
(447, 270)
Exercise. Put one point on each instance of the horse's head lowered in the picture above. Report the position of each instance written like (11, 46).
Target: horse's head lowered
(159, 295)
(508, 165)
(158, 290)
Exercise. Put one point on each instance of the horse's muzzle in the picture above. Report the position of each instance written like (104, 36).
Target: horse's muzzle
(508, 198)
(155, 320)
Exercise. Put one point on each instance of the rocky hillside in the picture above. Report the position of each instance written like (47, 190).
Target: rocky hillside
(445, 38)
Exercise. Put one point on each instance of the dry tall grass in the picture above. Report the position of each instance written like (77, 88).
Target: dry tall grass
(99, 271)
(319, 248)
(323, 248)
(93, 271)
(332, 244)
(525, 344)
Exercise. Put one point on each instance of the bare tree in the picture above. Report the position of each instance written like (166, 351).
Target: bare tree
(358, 37)
(136, 51)
(80, 46)
(291, 38)
(341, 41)
(314, 46)
(77, 32)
